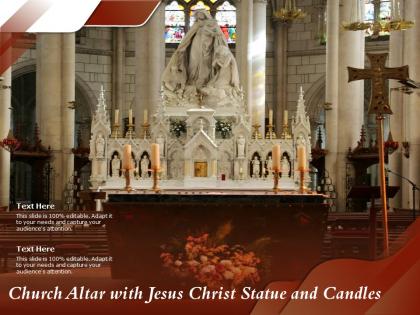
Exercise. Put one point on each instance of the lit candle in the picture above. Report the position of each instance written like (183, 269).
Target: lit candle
(155, 156)
(126, 162)
(130, 116)
(117, 116)
(285, 117)
(276, 157)
(145, 116)
(301, 158)
(270, 117)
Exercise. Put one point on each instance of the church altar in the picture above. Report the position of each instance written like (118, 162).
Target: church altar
(201, 157)
(282, 232)
(207, 135)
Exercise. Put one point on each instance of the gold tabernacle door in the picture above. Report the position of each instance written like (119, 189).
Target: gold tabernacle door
(200, 169)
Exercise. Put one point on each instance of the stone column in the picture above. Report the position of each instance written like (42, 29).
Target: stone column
(258, 63)
(142, 76)
(331, 87)
(351, 95)
(411, 167)
(156, 56)
(244, 49)
(396, 42)
(68, 95)
(118, 67)
(49, 100)
(150, 55)
(280, 73)
(5, 115)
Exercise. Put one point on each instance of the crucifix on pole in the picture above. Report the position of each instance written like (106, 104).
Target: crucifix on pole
(379, 105)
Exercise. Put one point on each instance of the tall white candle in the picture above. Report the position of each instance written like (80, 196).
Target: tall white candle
(276, 157)
(126, 162)
(285, 117)
(270, 117)
(130, 116)
(145, 116)
(117, 116)
(301, 157)
(155, 156)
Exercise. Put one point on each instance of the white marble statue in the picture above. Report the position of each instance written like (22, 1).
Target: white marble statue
(201, 65)
(285, 167)
(224, 83)
(100, 147)
(144, 167)
(256, 167)
(241, 146)
(115, 166)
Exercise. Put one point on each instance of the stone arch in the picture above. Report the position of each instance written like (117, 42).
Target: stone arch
(315, 100)
(225, 164)
(176, 163)
(23, 68)
(86, 94)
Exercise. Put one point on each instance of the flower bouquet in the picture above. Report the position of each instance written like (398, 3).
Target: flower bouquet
(177, 127)
(212, 264)
(224, 127)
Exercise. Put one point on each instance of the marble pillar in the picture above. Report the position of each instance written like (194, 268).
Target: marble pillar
(331, 87)
(49, 100)
(5, 116)
(350, 99)
(68, 95)
(150, 58)
(55, 89)
(156, 56)
(142, 80)
(118, 66)
(259, 43)
(280, 73)
(411, 167)
(396, 43)
(244, 49)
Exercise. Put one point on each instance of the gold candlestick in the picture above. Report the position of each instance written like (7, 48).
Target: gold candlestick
(130, 132)
(286, 134)
(128, 187)
(276, 174)
(256, 134)
(115, 131)
(155, 173)
(302, 187)
(146, 131)
(270, 133)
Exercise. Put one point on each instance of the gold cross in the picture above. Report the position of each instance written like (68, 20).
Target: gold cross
(378, 74)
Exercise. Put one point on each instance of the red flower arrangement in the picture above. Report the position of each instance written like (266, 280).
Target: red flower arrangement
(213, 265)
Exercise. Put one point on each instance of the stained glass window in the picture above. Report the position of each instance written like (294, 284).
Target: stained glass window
(377, 10)
(179, 17)
(374, 8)
(385, 10)
(226, 17)
(174, 22)
(369, 11)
